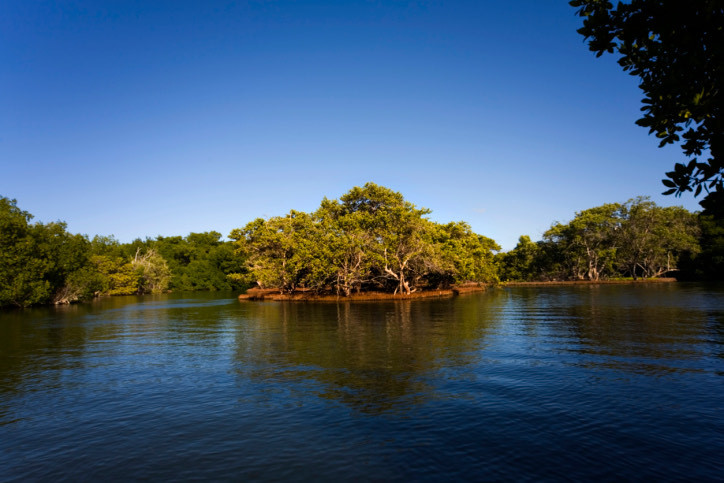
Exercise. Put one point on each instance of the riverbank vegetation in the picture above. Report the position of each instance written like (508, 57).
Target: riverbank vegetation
(636, 239)
(42, 263)
(370, 240)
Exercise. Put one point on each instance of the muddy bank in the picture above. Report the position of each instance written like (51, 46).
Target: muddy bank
(254, 294)
(589, 282)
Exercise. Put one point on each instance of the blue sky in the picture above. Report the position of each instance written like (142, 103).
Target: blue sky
(161, 118)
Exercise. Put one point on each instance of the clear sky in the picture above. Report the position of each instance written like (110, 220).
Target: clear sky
(146, 118)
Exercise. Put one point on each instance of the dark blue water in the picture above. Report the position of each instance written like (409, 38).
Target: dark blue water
(556, 383)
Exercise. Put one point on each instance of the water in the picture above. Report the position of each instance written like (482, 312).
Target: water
(533, 384)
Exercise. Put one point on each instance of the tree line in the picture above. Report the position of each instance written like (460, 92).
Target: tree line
(370, 239)
(676, 49)
(636, 239)
(42, 263)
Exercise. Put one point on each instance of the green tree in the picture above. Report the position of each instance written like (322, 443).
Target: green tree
(651, 238)
(589, 241)
(709, 264)
(113, 276)
(39, 263)
(677, 51)
(22, 273)
(464, 256)
(279, 251)
(66, 256)
(152, 270)
(399, 230)
(199, 261)
(344, 246)
(634, 239)
(520, 262)
(371, 238)
(110, 270)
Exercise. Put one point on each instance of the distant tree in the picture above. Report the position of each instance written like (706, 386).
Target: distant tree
(676, 48)
(277, 250)
(589, 241)
(709, 264)
(152, 270)
(107, 246)
(552, 262)
(652, 238)
(635, 239)
(520, 262)
(113, 276)
(463, 255)
(22, 272)
(199, 261)
(39, 263)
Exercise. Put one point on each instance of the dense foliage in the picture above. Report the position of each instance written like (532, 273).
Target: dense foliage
(709, 264)
(634, 239)
(38, 262)
(677, 51)
(369, 239)
(43, 263)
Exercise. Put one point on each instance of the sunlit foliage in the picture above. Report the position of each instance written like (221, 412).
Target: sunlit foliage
(369, 239)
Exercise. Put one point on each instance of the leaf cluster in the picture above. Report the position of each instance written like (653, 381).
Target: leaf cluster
(677, 51)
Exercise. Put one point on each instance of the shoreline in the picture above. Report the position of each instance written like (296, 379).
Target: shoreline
(257, 294)
(270, 294)
(589, 282)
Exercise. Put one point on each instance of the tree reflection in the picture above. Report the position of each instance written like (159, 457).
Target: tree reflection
(628, 328)
(46, 348)
(373, 357)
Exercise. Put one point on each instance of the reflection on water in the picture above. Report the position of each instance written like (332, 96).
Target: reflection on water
(369, 356)
(631, 328)
(559, 382)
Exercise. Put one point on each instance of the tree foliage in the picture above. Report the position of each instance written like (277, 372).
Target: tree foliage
(709, 265)
(589, 241)
(199, 261)
(38, 261)
(21, 273)
(369, 239)
(677, 51)
(652, 238)
(43, 263)
(520, 262)
(634, 239)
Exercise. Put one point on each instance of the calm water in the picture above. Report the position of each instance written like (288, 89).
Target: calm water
(519, 383)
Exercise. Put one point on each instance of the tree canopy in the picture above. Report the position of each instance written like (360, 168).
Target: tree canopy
(633, 239)
(677, 51)
(371, 238)
(39, 263)
(43, 263)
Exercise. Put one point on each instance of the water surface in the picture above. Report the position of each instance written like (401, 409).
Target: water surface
(518, 383)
